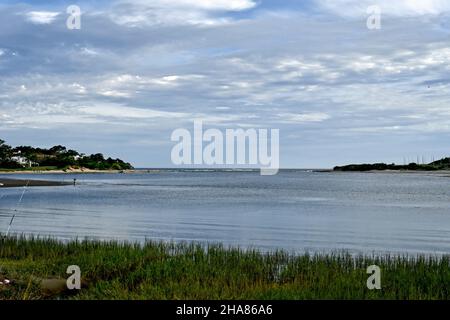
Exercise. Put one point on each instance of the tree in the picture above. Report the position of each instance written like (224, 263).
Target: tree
(58, 149)
(98, 157)
(5, 151)
(72, 153)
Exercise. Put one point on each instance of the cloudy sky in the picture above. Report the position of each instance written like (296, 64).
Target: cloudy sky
(136, 70)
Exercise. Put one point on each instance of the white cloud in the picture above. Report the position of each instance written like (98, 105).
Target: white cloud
(41, 17)
(357, 8)
(48, 115)
(176, 12)
(117, 111)
(89, 52)
(208, 5)
(79, 88)
(126, 85)
(304, 117)
(114, 93)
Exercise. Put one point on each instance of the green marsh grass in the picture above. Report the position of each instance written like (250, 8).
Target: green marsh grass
(157, 270)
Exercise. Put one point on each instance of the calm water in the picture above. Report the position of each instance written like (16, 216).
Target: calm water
(297, 211)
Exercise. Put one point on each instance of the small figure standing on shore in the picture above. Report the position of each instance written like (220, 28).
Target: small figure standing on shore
(74, 182)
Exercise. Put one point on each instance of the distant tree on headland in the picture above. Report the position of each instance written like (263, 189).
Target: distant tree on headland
(443, 164)
(57, 156)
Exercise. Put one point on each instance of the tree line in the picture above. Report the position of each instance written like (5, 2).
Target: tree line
(443, 164)
(58, 156)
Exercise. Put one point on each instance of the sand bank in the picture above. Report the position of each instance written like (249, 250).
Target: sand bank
(11, 183)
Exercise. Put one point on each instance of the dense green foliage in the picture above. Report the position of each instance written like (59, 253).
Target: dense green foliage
(112, 270)
(443, 164)
(57, 157)
(6, 152)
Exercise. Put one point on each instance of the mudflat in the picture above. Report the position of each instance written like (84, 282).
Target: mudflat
(11, 183)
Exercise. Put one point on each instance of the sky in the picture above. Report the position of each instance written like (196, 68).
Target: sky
(137, 70)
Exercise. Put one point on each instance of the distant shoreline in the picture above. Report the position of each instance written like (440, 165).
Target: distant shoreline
(434, 172)
(439, 165)
(155, 170)
(63, 171)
